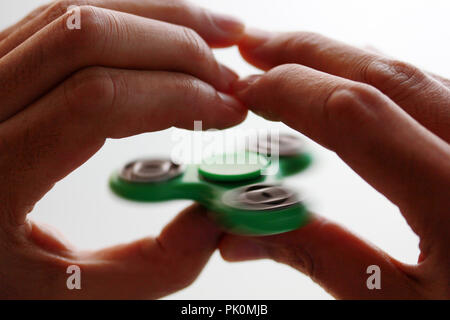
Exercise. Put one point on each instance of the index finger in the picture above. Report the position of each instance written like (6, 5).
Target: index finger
(396, 155)
(218, 30)
(419, 94)
(148, 268)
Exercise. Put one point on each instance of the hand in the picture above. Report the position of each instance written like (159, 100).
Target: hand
(390, 122)
(134, 66)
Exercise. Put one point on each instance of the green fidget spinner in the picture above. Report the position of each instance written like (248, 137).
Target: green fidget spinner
(236, 188)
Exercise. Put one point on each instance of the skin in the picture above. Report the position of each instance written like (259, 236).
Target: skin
(134, 66)
(386, 119)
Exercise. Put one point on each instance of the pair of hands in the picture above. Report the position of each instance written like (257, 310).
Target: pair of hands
(139, 66)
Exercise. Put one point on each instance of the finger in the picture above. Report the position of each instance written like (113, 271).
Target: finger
(419, 94)
(333, 257)
(153, 268)
(375, 137)
(61, 131)
(148, 268)
(444, 81)
(217, 29)
(33, 14)
(107, 38)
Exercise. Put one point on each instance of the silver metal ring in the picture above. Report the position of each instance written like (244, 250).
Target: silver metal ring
(261, 197)
(287, 145)
(151, 170)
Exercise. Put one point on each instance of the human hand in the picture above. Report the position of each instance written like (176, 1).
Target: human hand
(390, 122)
(133, 67)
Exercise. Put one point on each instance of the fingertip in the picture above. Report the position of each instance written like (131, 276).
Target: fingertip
(214, 108)
(241, 86)
(255, 47)
(228, 77)
(197, 217)
(229, 28)
(192, 231)
(254, 38)
(220, 30)
(252, 46)
(231, 112)
(232, 103)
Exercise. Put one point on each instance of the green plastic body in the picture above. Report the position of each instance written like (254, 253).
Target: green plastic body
(194, 185)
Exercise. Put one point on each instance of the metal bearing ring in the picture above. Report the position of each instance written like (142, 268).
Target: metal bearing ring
(288, 145)
(151, 170)
(261, 197)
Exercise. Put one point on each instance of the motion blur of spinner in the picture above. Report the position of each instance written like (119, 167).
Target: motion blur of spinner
(233, 186)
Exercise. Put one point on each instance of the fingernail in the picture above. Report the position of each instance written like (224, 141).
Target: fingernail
(244, 250)
(232, 103)
(255, 37)
(228, 24)
(243, 84)
(228, 76)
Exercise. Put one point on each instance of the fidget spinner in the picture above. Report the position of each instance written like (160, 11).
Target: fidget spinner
(236, 188)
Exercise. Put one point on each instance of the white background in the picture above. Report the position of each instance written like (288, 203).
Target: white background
(91, 217)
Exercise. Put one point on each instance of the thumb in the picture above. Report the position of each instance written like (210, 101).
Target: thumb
(331, 256)
(148, 268)
(155, 267)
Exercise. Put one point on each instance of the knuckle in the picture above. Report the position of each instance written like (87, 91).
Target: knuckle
(95, 25)
(56, 10)
(103, 24)
(59, 8)
(315, 263)
(90, 93)
(355, 103)
(393, 77)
